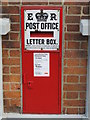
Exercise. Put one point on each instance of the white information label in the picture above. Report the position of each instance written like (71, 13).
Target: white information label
(41, 64)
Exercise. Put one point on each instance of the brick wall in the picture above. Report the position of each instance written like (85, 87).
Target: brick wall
(11, 59)
(75, 57)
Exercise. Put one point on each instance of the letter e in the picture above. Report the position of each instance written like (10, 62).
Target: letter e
(30, 16)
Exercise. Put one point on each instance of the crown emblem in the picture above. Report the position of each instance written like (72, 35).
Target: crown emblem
(41, 16)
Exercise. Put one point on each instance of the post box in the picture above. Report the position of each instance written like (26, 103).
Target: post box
(41, 31)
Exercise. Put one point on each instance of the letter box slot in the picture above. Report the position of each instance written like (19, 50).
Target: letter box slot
(41, 34)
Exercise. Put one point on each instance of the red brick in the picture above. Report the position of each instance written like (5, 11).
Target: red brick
(75, 70)
(6, 102)
(73, 28)
(11, 61)
(15, 53)
(74, 103)
(6, 69)
(84, 45)
(74, 2)
(11, 78)
(15, 27)
(65, 28)
(5, 53)
(72, 62)
(15, 86)
(75, 36)
(83, 62)
(64, 95)
(15, 70)
(35, 3)
(11, 44)
(15, 18)
(65, 77)
(65, 62)
(74, 87)
(5, 78)
(10, 9)
(6, 86)
(85, 17)
(75, 54)
(12, 94)
(14, 36)
(83, 95)
(72, 95)
(83, 79)
(72, 79)
(14, 78)
(73, 45)
(55, 2)
(72, 19)
(65, 9)
(86, 10)
(12, 109)
(74, 10)
(15, 102)
(72, 110)
(65, 45)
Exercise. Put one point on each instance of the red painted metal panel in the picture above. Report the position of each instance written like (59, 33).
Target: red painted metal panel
(41, 94)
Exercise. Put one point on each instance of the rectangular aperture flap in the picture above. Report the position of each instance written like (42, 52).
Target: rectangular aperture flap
(41, 34)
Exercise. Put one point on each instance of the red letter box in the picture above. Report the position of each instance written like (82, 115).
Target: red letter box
(41, 59)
